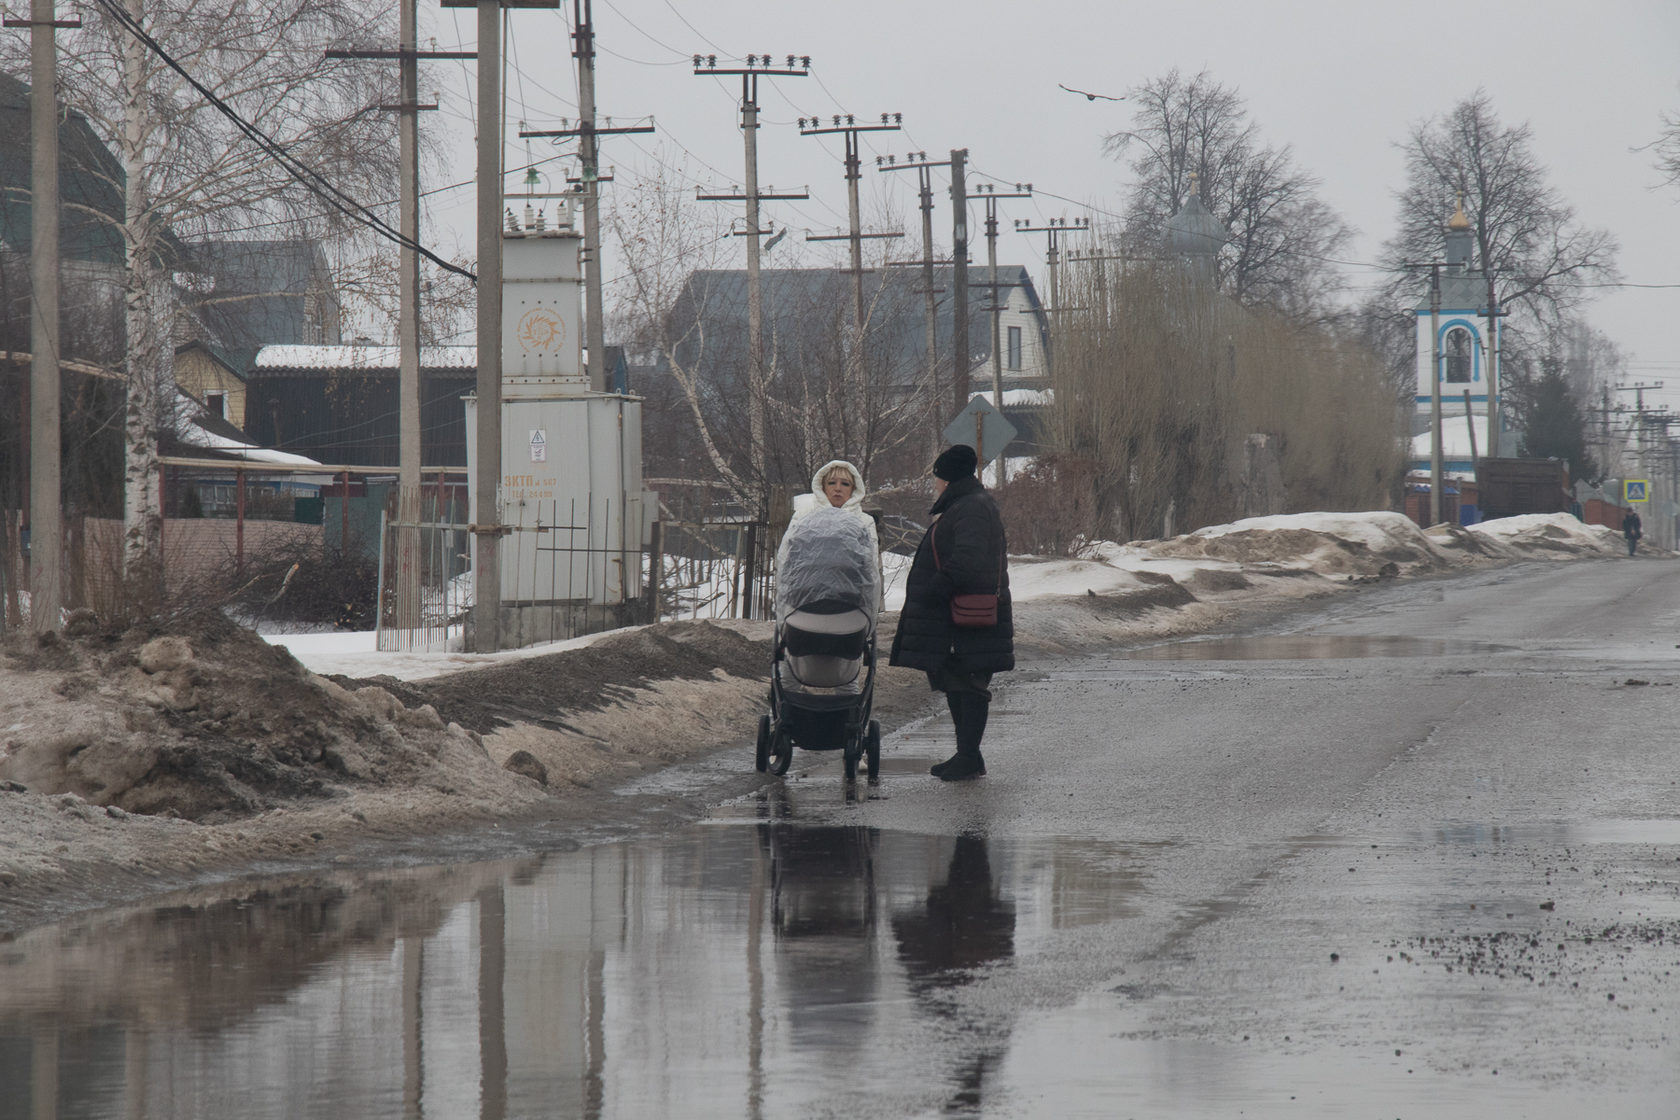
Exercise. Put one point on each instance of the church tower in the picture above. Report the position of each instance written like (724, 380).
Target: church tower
(1465, 334)
(1195, 236)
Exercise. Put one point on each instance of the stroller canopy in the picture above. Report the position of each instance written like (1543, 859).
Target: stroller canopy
(828, 559)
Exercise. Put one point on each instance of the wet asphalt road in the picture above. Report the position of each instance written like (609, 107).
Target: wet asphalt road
(1413, 852)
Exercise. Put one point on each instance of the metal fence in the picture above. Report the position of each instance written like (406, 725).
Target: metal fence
(711, 569)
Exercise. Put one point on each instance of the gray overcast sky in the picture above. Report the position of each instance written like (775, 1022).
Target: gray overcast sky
(1340, 82)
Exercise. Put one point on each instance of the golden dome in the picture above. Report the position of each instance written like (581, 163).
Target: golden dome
(1459, 221)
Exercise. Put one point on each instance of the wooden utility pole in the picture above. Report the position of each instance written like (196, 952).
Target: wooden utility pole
(890, 122)
(46, 523)
(1053, 231)
(798, 66)
(959, 280)
(583, 38)
(923, 167)
(487, 553)
(989, 194)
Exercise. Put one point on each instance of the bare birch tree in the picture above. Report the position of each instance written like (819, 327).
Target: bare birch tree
(663, 240)
(189, 171)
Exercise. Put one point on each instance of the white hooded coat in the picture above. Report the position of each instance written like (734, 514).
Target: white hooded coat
(816, 499)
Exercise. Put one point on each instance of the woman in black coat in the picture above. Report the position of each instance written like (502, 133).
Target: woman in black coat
(963, 552)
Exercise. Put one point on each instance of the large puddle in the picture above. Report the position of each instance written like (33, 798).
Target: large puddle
(737, 968)
(750, 966)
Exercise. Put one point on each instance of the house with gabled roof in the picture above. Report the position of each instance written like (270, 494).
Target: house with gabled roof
(807, 311)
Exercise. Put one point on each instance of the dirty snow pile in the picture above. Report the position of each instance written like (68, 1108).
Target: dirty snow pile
(194, 744)
(1326, 547)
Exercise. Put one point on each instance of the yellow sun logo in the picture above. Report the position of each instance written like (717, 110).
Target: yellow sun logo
(541, 329)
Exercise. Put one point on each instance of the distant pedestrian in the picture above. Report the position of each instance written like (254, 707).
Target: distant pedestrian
(1632, 529)
(957, 625)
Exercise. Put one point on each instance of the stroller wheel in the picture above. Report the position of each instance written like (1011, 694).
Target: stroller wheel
(781, 752)
(872, 750)
(853, 749)
(762, 760)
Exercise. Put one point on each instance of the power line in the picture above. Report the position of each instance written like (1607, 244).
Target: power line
(297, 169)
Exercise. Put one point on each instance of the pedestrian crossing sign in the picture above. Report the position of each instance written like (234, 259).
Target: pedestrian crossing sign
(1636, 490)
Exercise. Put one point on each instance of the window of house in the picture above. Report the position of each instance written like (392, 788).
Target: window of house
(216, 404)
(1014, 353)
(1457, 356)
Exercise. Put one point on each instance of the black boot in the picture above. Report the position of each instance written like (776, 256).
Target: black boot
(969, 711)
(963, 767)
(953, 702)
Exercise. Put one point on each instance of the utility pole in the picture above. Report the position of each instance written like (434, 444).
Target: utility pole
(918, 162)
(890, 122)
(487, 528)
(989, 193)
(1053, 231)
(1494, 314)
(46, 520)
(848, 127)
(757, 66)
(408, 109)
(959, 279)
(1642, 416)
(1434, 268)
(1435, 393)
(589, 154)
(487, 578)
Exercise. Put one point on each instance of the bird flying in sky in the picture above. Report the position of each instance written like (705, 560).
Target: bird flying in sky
(1091, 96)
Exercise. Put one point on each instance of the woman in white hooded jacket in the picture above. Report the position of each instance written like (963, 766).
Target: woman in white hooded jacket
(839, 484)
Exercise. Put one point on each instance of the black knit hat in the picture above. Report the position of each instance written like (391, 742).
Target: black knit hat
(957, 461)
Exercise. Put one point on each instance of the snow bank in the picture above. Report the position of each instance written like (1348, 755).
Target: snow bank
(1222, 561)
(1553, 532)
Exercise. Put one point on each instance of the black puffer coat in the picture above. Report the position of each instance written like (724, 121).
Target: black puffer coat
(969, 535)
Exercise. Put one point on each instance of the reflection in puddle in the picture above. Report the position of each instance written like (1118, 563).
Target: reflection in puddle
(1304, 647)
(746, 967)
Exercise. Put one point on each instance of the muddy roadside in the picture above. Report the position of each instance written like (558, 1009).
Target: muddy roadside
(194, 751)
(137, 763)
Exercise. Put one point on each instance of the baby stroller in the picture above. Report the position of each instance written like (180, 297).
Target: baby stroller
(822, 671)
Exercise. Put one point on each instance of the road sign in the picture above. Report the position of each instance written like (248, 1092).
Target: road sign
(983, 428)
(1636, 490)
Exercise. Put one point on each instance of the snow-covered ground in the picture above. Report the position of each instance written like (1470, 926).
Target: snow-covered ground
(1337, 546)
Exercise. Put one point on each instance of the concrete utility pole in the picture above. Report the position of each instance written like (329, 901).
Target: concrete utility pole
(408, 109)
(487, 529)
(46, 531)
(850, 129)
(1053, 231)
(589, 154)
(798, 66)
